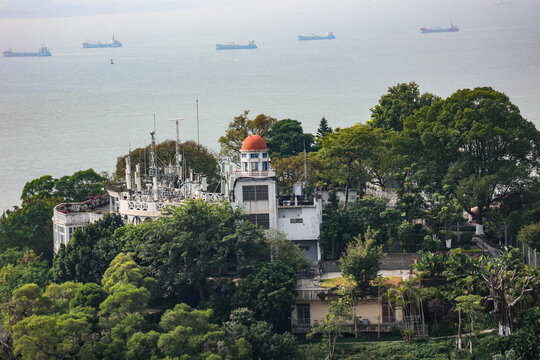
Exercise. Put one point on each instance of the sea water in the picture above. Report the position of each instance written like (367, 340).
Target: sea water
(75, 110)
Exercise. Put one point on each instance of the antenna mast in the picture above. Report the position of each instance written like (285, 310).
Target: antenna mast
(178, 155)
(197, 104)
(152, 170)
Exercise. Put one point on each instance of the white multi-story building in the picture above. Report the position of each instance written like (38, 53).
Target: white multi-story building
(256, 191)
(69, 216)
(253, 187)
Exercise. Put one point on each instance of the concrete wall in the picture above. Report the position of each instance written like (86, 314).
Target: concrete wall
(260, 206)
(308, 229)
(397, 261)
(310, 249)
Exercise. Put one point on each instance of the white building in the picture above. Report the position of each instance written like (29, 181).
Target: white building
(253, 187)
(69, 216)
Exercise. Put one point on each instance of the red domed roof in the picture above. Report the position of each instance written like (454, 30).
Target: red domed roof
(254, 142)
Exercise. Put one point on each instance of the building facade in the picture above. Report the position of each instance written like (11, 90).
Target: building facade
(253, 186)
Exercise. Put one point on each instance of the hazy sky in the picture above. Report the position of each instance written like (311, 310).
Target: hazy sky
(50, 8)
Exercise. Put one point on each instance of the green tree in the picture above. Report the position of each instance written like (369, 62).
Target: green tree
(469, 305)
(42, 187)
(290, 171)
(28, 269)
(406, 236)
(530, 235)
(382, 163)
(26, 301)
(123, 301)
(189, 332)
(340, 226)
(323, 128)
(334, 324)
(507, 283)
(287, 138)
(362, 260)
(143, 346)
(477, 143)
(61, 295)
(401, 101)
(269, 292)
(30, 226)
(239, 129)
(80, 185)
(526, 339)
(265, 343)
(286, 251)
(124, 270)
(89, 295)
(51, 337)
(445, 212)
(344, 153)
(193, 242)
(89, 252)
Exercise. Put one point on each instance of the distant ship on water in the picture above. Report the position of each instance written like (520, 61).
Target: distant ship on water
(233, 46)
(329, 36)
(113, 44)
(438, 29)
(43, 51)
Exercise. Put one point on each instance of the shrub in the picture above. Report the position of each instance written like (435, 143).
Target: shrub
(406, 236)
(431, 244)
(530, 235)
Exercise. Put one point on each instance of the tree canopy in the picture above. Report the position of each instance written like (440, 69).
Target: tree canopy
(401, 101)
(239, 129)
(287, 138)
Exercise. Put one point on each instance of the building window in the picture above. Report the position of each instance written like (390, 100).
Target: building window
(254, 166)
(265, 165)
(245, 166)
(61, 236)
(244, 155)
(387, 314)
(265, 155)
(262, 220)
(297, 221)
(254, 156)
(255, 192)
(303, 314)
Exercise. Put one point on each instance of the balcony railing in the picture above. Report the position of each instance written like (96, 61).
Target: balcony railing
(305, 325)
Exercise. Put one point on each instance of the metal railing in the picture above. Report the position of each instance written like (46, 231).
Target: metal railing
(530, 255)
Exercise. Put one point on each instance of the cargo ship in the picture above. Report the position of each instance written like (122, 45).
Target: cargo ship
(43, 51)
(438, 29)
(233, 46)
(329, 36)
(113, 44)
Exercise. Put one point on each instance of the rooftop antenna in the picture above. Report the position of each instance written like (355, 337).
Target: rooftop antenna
(197, 104)
(152, 171)
(178, 155)
(129, 177)
(144, 158)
